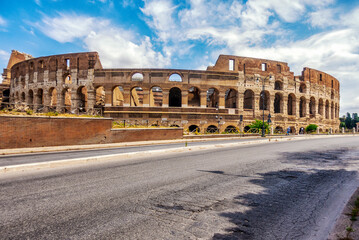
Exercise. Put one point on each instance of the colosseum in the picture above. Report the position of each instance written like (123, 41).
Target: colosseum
(227, 96)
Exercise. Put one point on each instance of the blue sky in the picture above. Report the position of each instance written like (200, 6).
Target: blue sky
(190, 34)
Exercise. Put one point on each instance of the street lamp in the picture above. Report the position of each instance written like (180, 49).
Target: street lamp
(219, 118)
(262, 96)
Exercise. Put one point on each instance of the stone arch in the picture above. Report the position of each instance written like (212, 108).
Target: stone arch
(264, 100)
(312, 107)
(302, 88)
(327, 109)
(137, 96)
(175, 97)
(117, 96)
(66, 99)
(321, 107)
(175, 77)
(278, 103)
(53, 97)
(40, 98)
(82, 97)
(194, 97)
(156, 97)
(68, 79)
(278, 130)
(23, 99)
(231, 98)
(194, 128)
(248, 102)
(100, 96)
(231, 129)
(278, 85)
(291, 104)
(302, 107)
(30, 98)
(292, 130)
(137, 77)
(212, 129)
(332, 110)
(212, 97)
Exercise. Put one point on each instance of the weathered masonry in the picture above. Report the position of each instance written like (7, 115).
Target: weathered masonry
(228, 95)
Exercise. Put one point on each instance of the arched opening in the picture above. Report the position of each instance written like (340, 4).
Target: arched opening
(212, 129)
(246, 128)
(332, 111)
(278, 130)
(66, 100)
(194, 129)
(100, 96)
(40, 98)
(327, 109)
(278, 103)
(68, 79)
(312, 107)
(320, 107)
(6, 95)
(278, 85)
(231, 129)
(248, 99)
(117, 96)
(175, 97)
(194, 98)
(336, 111)
(137, 96)
(175, 78)
(156, 97)
(332, 95)
(231, 98)
(291, 104)
(82, 98)
(53, 97)
(23, 97)
(264, 100)
(292, 130)
(302, 107)
(137, 77)
(30, 100)
(212, 97)
(302, 88)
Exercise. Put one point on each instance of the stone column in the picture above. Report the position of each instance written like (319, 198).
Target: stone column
(91, 100)
(60, 102)
(307, 108)
(203, 95)
(240, 100)
(297, 107)
(165, 97)
(74, 101)
(126, 97)
(222, 100)
(146, 97)
(184, 98)
(285, 105)
(108, 97)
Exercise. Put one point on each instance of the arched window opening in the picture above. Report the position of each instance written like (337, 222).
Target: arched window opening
(278, 85)
(117, 96)
(278, 103)
(175, 78)
(302, 88)
(327, 109)
(40, 98)
(291, 104)
(137, 97)
(194, 98)
(231, 98)
(332, 111)
(212, 129)
(231, 129)
(82, 98)
(100, 96)
(156, 97)
(53, 97)
(248, 99)
(264, 100)
(30, 100)
(320, 107)
(175, 97)
(66, 100)
(194, 129)
(212, 97)
(302, 107)
(68, 79)
(23, 97)
(278, 130)
(137, 77)
(312, 107)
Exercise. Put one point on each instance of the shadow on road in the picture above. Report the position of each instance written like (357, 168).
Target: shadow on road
(290, 200)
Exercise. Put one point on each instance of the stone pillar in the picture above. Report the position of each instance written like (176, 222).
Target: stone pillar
(203, 95)
(47, 99)
(343, 130)
(60, 102)
(307, 108)
(271, 130)
(126, 97)
(108, 97)
(240, 101)
(285, 105)
(297, 107)
(36, 101)
(146, 98)
(317, 130)
(184, 98)
(256, 107)
(91, 100)
(222, 100)
(165, 98)
(74, 101)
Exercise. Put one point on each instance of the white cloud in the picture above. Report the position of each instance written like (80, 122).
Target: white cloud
(322, 18)
(117, 47)
(2, 21)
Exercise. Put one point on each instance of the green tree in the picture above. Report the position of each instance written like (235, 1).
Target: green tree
(348, 121)
(311, 128)
(257, 125)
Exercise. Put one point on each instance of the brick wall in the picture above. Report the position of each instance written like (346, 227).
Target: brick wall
(22, 131)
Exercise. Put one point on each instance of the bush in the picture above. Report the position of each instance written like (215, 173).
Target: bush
(257, 125)
(311, 128)
(50, 114)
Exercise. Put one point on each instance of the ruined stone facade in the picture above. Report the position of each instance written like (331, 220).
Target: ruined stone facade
(228, 95)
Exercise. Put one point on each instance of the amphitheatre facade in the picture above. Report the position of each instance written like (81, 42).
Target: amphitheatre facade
(228, 95)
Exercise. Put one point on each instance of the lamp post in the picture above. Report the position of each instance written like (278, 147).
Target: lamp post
(219, 118)
(262, 96)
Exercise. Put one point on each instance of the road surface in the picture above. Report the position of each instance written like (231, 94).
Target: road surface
(280, 190)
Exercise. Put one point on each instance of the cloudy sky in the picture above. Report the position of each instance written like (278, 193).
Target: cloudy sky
(190, 34)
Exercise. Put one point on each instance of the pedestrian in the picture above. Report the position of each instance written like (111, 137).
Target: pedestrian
(288, 130)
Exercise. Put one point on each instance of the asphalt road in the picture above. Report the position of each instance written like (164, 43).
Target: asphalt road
(282, 190)
(8, 160)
